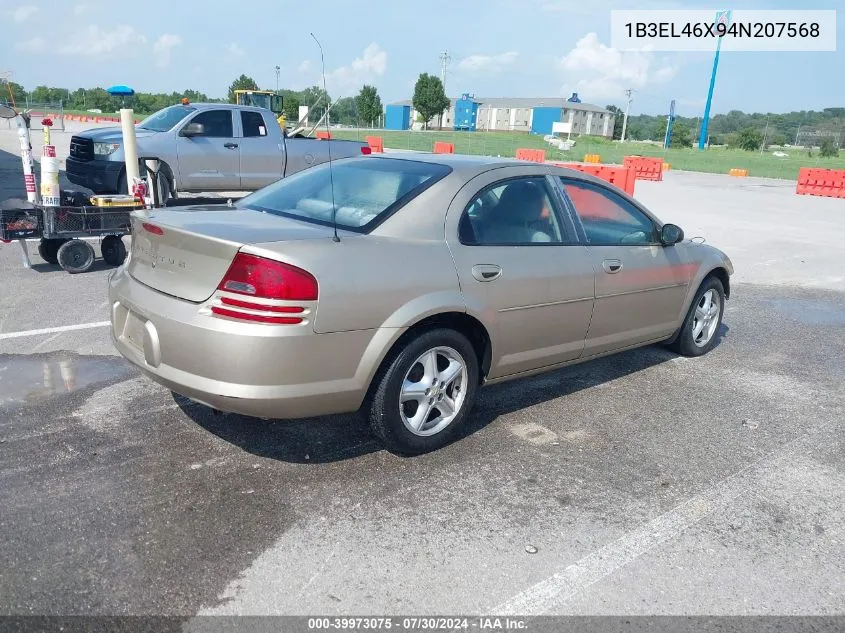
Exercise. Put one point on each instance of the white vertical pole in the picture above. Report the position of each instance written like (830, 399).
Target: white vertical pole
(130, 147)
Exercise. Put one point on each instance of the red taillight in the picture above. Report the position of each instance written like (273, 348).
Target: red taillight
(152, 228)
(268, 279)
(366, 149)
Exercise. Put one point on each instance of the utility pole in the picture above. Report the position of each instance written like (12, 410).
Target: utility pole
(444, 62)
(278, 69)
(628, 93)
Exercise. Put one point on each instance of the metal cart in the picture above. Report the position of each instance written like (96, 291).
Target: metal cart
(61, 230)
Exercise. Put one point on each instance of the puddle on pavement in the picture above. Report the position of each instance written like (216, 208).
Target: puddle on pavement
(811, 312)
(34, 378)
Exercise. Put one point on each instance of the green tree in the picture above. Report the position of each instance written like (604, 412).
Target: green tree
(828, 149)
(617, 121)
(750, 139)
(315, 95)
(344, 111)
(369, 106)
(429, 97)
(290, 107)
(681, 136)
(13, 92)
(241, 83)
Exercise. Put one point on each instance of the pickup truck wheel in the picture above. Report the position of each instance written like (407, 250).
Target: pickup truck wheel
(165, 193)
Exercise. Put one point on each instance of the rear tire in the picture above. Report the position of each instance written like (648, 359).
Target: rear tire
(75, 256)
(700, 330)
(48, 249)
(422, 395)
(113, 250)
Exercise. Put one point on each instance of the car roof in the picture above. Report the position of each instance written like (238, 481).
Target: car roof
(467, 166)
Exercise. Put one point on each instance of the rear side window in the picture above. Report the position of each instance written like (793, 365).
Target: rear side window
(366, 191)
(253, 124)
(218, 123)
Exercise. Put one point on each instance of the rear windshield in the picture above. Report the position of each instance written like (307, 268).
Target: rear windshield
(366, 191)
(164, 120)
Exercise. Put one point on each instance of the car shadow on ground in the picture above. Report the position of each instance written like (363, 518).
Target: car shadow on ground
(44, 267)
(341, 437)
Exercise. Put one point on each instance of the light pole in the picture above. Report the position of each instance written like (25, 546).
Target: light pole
(278, 69)
(722, 18)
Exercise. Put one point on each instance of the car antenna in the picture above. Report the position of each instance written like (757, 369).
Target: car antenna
(328, 131)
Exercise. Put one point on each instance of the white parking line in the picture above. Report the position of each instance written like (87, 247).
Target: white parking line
(52, 330)
(550, 594)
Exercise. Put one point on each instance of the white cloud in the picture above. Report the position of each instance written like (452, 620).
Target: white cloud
(97, 41)
(235, 50)
(304, 67)
(371, 64)
(21, 14)
(490, 64)
(163, 48)
(598, 72)
(79, 9)
(32, 45)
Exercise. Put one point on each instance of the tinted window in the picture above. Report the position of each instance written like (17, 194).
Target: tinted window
(609, 219)
(253, 124)
(164, 120)
(218, 123)
(365, 191)
(515, 211)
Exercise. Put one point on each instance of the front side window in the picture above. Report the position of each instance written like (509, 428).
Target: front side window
(518, 211)
(609, 219)
(218, 123)
(165, 119)
(365, 191)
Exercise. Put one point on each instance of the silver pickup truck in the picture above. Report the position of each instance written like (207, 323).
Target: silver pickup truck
(204, 147)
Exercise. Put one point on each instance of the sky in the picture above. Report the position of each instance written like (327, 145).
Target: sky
(497, 48)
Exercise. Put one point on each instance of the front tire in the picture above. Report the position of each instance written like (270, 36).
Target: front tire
(422, 397)
(699, 331)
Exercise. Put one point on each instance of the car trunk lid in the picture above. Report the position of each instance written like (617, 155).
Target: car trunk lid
(186, 252)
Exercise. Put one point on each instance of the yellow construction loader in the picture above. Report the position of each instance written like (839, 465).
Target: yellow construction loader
(262, 99)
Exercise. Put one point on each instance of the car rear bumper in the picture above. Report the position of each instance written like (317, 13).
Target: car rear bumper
(97, 175)
(267, 371)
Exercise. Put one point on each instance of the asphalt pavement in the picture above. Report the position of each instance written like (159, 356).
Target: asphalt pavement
(643, 483)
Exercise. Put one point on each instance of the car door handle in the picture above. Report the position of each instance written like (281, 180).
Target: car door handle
(486, 272)
(612, 265)
(230, 145)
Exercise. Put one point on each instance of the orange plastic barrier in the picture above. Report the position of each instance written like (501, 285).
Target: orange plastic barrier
(592, 158)
(813, 181)
(738, 172)
(376, 143)
(534, 155)
(666, 166)
(622, 177)
(645, 167)
(441, 147)
(323, 135)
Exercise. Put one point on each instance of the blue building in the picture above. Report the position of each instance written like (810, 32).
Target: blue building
(543, 118)
(397, 117)
(466, 113)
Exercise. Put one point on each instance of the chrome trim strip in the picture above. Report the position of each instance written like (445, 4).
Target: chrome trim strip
(543, 305)
(633, 292)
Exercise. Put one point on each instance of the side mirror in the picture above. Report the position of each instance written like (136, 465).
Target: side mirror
(192, 129)
(276, 104)
(671, 234)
